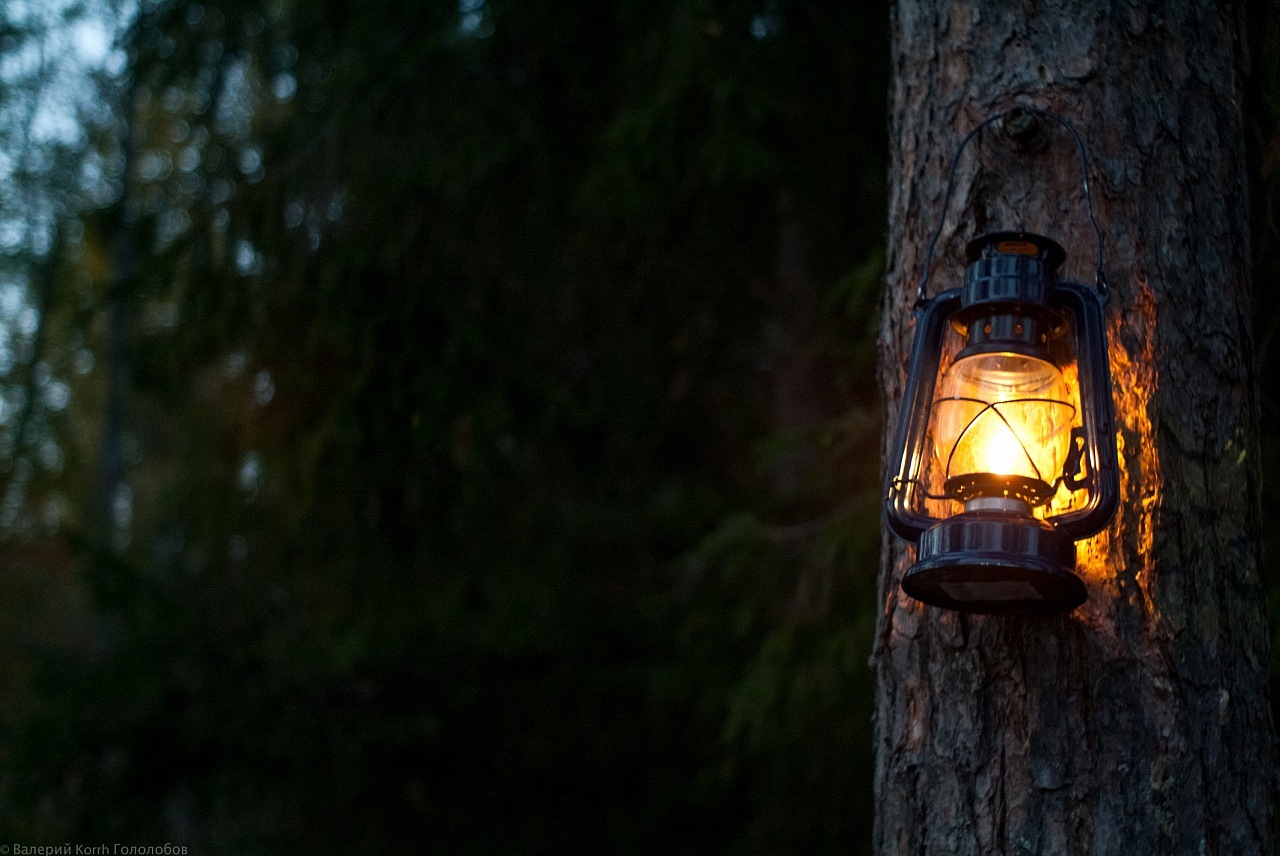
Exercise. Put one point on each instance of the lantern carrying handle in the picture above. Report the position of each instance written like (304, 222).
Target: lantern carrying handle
(1099, 278)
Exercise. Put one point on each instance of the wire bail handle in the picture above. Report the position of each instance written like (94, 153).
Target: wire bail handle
(1099, 278)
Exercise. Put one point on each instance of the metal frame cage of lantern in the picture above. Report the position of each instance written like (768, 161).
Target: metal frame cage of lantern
(1005, 453)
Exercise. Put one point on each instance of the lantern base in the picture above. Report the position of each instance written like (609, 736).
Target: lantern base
(995, 562)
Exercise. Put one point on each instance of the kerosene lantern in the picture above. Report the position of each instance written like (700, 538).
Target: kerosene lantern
(1005, 453)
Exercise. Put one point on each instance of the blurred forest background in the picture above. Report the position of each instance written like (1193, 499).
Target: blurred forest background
(451, 424)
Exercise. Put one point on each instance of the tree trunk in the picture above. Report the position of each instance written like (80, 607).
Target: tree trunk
(1139, 723)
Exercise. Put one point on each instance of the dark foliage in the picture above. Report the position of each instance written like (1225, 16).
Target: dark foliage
(492, 389)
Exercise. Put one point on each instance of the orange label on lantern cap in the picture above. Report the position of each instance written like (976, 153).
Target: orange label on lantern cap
(1022, 248)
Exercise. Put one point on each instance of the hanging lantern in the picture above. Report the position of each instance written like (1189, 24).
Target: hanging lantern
(1005, 453)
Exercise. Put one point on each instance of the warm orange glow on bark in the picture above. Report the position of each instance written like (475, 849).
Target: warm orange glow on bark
(1099, 559)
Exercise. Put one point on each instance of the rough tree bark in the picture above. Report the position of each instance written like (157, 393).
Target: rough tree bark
(1139, 723)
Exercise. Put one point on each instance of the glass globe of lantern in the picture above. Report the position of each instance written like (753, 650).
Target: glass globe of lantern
(1002, 426)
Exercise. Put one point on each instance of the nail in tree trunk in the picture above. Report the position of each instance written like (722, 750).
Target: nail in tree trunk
(1137, 724)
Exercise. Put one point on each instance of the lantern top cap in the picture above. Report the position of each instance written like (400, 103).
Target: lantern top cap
(1016, 243)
